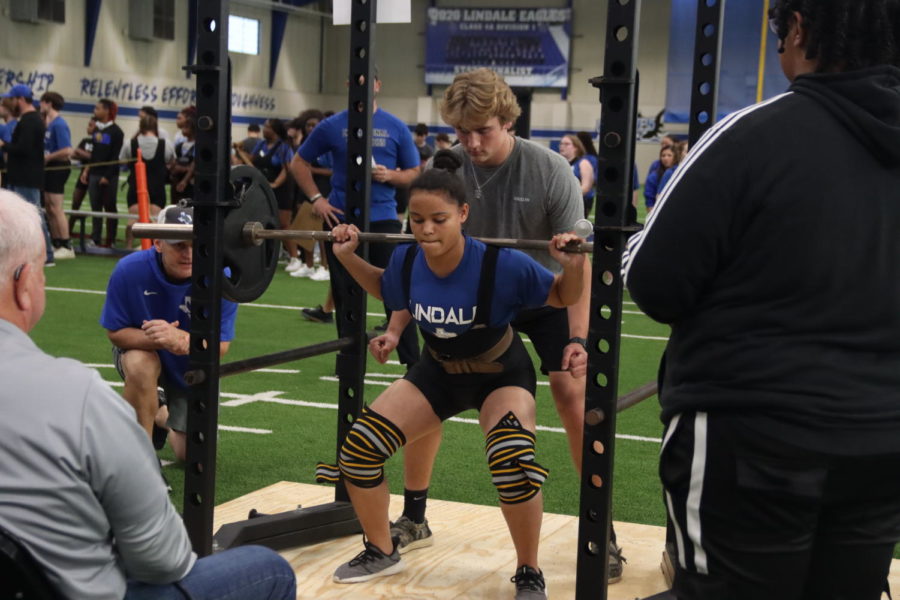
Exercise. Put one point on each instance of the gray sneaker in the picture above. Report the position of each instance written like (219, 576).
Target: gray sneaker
(369, 564)
(529, 584)
(616, 561)
(411, 535)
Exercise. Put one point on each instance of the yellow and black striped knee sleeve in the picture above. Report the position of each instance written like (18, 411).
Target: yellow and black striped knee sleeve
(371, 441)
(510, 454)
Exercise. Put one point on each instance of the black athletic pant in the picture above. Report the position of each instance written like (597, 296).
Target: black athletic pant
(756, 518)
(103, 199)
(379, 255)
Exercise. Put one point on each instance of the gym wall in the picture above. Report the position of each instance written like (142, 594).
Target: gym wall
(311, 69)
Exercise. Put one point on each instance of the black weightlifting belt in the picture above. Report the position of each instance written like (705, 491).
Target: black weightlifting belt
(486, 362)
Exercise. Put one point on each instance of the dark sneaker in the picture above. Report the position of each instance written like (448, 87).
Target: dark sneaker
(369, 564)
(160, 433)
(529, 584)
(382, 327)
(411, 535)
(317, 315)
(616, 562)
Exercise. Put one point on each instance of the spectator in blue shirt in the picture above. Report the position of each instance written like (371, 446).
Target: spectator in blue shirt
(57, 151)
(396, 164)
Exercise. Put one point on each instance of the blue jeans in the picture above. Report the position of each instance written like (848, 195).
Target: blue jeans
(242, 573)
(33, 195)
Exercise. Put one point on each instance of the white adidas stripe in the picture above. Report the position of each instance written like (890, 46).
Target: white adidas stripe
(704, 143)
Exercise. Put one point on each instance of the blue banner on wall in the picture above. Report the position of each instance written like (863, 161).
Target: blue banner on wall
(528, 46)
(739, 63)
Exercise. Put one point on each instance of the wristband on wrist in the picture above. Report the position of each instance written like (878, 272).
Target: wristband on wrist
(578, 340)
(315, 197)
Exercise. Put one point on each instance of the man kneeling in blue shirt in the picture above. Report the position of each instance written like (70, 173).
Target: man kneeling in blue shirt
(147, 315)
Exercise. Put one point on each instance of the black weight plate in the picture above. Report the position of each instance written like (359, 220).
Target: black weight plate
(251, 267)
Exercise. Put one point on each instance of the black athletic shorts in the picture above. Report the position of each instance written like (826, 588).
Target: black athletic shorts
(55, 179)
(548, 329)
(450, 395)
(284, 195)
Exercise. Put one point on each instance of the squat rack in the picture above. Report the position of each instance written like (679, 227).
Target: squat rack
(215, 196)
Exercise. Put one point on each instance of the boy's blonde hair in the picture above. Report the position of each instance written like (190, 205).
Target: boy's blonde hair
(476, 96)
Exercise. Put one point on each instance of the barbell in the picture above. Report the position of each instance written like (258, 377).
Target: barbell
(254, 233)
(250, 248)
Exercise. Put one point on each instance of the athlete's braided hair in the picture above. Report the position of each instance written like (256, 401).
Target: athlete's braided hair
(845, 35)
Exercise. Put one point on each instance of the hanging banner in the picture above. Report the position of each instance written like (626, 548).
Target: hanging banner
(739, 64)
(528, 46)
(82, 87)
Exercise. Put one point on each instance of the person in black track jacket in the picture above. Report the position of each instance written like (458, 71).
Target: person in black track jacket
(774, 254)
(103, 179)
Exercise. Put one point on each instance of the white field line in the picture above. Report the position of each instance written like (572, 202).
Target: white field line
(273, 397)
(221, 427)
(103, 292)
(369, 314)
(76, 291)
(386, 383)
(244, 399)
(645, 337)
(282, 371)
(244, 429)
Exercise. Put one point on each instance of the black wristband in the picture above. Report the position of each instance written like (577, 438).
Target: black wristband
(578, 340)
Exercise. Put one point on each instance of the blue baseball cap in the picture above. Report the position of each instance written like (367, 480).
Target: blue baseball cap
(20, 90)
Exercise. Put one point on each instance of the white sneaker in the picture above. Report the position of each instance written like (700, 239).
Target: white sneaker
(293, 265)
(303, 271)
(63, 253)
(321, 274)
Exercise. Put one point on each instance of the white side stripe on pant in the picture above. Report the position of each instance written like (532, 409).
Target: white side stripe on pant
(679, 537)
(698, 472)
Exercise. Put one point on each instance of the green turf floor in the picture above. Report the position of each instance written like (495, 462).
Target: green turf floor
(302, 435)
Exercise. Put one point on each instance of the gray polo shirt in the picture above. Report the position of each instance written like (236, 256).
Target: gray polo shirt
(533, 195)
(79, 482)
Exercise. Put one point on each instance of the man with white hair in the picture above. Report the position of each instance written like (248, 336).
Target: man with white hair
(147, 315)
(79, 484)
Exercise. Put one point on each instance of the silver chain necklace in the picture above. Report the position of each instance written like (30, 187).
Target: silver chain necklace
(478, 186)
